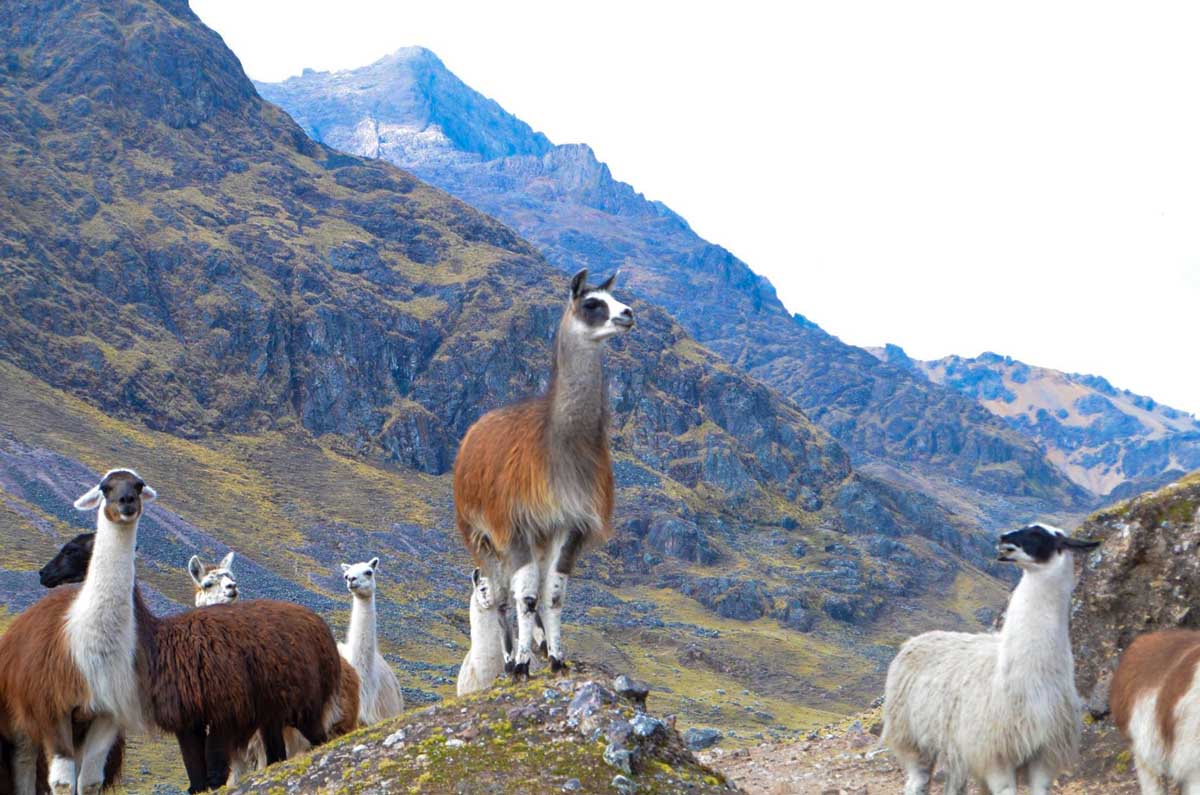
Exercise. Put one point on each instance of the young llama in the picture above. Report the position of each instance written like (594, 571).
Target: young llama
(485, 659)
(215, 585)
(533, 481)
(379, 696)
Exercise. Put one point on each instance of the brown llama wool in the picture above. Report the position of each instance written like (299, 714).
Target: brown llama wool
(533, 482)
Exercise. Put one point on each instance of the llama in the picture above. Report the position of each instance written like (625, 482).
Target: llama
(215, 676)
(214, 584)
(379, 696)
(988, 706)
(1155, 700)
(533, 482)
(87, 639)
(485, 659)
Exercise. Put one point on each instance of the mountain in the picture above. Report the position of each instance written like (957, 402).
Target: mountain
(1110, 441)
(410, 110)
(288, 341)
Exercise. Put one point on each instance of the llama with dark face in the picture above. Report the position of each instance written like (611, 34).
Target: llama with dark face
(533, 482)
(990, 706)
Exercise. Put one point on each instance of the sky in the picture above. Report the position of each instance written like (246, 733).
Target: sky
(951, 177)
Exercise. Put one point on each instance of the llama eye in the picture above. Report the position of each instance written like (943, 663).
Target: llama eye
(369, 574)
(591, 303)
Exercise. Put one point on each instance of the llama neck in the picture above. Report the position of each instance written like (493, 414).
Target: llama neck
(486, 637)
(106, 596)
(1035, 633)
(578, 404)
(361, 637)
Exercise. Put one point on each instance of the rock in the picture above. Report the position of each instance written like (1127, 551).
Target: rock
(590, 699)
(632, 689)
(646, 726)
(619, 732)
(623, 785)
(572, 785)
(699, 739)
(618, 757)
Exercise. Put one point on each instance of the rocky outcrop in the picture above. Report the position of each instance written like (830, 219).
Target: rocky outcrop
(1144, 577)
(552, 736)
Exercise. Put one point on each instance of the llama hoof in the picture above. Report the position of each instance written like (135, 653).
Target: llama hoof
(90, 789)
(558, 666)
(543, 650)
(521, 671)
(509, 667)
(61, 788)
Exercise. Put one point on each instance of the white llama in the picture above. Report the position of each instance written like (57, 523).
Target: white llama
(215, 585)
(380, 696)
(486, 658)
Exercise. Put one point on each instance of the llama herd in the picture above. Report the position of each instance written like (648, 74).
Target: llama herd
(243, 684)
(246, 683)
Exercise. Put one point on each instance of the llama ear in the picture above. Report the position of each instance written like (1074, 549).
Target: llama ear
(373, 563)
(226, 562)
(1080, 543)
(148, 494)
(345, 568)
(608, 283)
(195, 568)
(90, 500)
(475, 577)
(578, 282)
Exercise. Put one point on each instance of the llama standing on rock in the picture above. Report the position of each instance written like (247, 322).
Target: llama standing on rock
(71, 657)
(379, 696)
(988, 706)
(533, 482)
(485, 659)
(215, 585)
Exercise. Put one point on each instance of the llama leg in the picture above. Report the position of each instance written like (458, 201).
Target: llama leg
(559, 565)
(506, 638)
(24, 766)
(539, 633)
(217, 759)
(273, 742)
(525, 592)
(60, 750)
(94, 753)
(1041, 777)
(313, 731)
(917, 774)
(1191, 786)
(1002, 782)
(1150, 782)
(191, 747)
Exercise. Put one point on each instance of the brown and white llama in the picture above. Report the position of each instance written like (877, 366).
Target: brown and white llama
(216, 585)
(533, 482)
(1155, 700)
(485, 659)
(379, 696)
(215, 676)
(70, 659)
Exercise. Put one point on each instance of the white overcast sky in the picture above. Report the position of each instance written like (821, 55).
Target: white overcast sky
(952, 177)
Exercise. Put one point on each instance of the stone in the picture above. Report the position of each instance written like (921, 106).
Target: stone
(618, 757)
(624, 785)
(699, 739)
(631, 689)
(646, 726)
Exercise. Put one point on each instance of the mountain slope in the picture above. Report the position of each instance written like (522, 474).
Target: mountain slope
(1110, 441)
(288, 342)
(562, 199)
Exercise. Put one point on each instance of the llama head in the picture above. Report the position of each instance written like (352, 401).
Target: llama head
(595, 314)
(215, 585)
(71, 562)
(1039, 546)
(481, 590)
(120, 495)
(360, 578)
